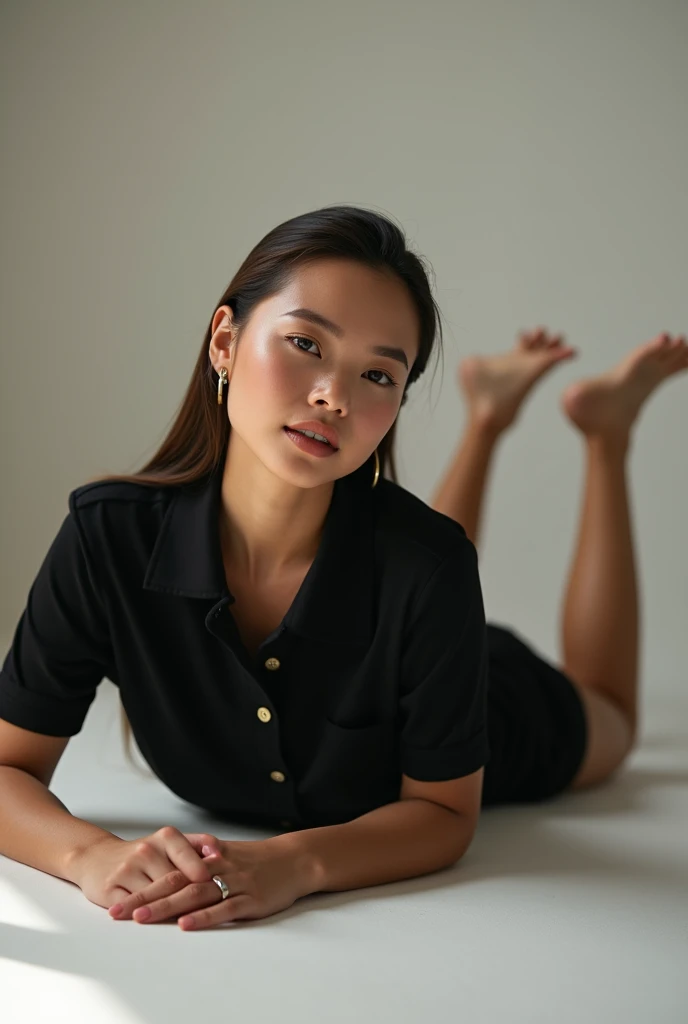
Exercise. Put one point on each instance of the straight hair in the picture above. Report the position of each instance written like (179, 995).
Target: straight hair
(196, 442)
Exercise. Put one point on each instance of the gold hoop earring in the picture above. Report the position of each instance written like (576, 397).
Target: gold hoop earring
(222, 380)
(377, 469)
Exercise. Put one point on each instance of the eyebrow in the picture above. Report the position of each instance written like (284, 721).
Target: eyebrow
(322, 321)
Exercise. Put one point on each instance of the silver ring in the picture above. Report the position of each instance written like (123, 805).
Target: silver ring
(222, 886)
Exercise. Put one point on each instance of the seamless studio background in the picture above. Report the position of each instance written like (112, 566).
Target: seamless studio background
(536, 154)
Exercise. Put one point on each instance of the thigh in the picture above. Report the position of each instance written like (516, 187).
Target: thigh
(609, 738)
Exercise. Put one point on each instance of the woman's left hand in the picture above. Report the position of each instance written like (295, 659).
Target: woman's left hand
(263, 877)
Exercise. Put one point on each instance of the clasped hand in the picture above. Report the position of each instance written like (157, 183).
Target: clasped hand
(169, 875)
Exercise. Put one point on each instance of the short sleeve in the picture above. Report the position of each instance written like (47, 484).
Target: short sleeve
(444, 678)
(61, 646)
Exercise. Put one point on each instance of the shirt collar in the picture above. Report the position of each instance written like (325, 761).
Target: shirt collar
(336, 600)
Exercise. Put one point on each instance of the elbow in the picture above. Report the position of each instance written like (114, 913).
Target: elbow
(458, 829)
(465, 834)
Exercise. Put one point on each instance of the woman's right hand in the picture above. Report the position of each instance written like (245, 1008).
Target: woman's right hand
(113, 868)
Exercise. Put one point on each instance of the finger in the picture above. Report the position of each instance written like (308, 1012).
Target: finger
(203, 843)
(142, 893)
(154, 863)
(134, 879)
(192, 897)
(234, 908)
(181, 851)
(175, 881)
(118, 894)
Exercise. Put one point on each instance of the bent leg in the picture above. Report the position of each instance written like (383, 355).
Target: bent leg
(600, 616)
(460, 493)
(495, 388)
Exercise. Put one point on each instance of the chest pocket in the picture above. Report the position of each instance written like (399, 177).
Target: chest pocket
(354, 770)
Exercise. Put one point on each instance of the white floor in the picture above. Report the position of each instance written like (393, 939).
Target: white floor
(573, 911)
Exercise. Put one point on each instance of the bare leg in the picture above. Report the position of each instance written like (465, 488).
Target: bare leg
(494, 388)
(461, 491)
(600, 615)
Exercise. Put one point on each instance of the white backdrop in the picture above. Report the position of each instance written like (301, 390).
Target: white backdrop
(535, 152)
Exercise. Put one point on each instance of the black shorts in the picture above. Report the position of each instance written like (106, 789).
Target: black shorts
(537, 728)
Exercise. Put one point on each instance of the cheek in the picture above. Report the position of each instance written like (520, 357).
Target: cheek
(277, 370)
(268, 375)
(380, 415)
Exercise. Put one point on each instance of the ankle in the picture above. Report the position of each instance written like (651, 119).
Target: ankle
(609, 445)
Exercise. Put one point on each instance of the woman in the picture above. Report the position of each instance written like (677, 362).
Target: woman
(297, 640)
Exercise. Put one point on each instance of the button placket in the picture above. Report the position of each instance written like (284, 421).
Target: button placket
(265, 715)
(271, 664)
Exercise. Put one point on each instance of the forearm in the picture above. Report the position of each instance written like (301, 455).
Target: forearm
(36, 828)
(399, 840)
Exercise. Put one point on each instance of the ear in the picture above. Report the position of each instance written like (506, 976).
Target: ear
(222, 319)
(222, 341)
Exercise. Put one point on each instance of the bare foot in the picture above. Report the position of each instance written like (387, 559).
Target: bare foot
(608, 405)
(495, 386)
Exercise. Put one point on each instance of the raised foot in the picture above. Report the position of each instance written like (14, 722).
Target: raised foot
(608, 405)
(496, 386)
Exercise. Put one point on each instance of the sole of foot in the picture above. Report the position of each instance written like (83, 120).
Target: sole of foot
(607, 406)
(496, 386)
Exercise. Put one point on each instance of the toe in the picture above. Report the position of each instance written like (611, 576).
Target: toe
(673, 350)
(659, 343)
(679, 358)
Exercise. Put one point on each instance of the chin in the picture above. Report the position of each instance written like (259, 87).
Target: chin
(305, 477)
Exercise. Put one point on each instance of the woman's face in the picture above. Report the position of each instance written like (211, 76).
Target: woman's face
(287, 369)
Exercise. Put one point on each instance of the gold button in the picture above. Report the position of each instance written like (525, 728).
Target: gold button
(277, 776)
(264, 714)
(272, 664)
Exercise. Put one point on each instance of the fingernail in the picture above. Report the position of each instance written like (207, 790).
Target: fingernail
(142, 913)
(116, 908)
(207, 851)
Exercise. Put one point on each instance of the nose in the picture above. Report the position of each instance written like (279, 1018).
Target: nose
(331, 393)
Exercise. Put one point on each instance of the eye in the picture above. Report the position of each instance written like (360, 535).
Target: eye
(309, 341)
(392, 382)
(299, 337)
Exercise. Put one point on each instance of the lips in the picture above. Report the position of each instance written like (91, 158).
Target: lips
(319, 449)
(318, 428)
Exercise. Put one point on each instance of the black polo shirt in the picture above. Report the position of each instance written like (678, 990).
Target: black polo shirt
(380, 665)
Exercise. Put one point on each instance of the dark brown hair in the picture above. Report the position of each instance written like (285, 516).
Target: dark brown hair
(196, 443)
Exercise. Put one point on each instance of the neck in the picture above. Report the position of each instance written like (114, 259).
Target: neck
(268, 527)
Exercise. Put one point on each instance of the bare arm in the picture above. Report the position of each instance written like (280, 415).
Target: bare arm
(36, 828)
(393, 842)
